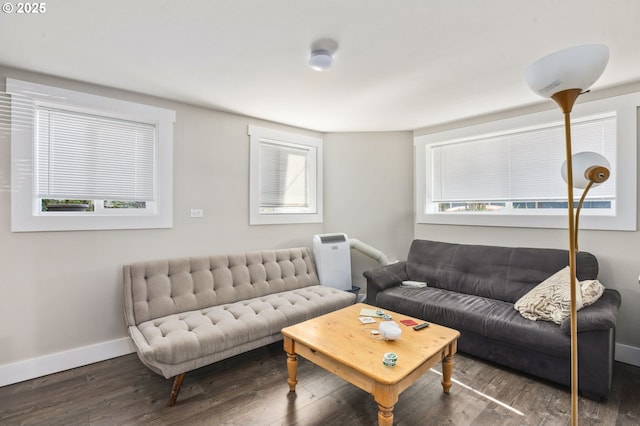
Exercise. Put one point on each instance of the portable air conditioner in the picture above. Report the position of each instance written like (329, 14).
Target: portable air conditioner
(333, 260)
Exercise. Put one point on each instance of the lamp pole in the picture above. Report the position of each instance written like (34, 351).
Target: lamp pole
(563, 76)
(565, 100)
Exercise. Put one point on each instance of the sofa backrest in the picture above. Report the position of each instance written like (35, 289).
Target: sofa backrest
(502, 273)
(155, 289)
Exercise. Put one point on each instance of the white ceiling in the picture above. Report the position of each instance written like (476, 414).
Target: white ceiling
(400, 65)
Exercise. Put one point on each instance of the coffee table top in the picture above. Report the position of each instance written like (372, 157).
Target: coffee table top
(341, 336)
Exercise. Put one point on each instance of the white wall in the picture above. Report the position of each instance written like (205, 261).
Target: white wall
(61, 292)
(618, 252)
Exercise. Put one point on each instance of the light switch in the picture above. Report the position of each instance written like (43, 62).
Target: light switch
(197, 213)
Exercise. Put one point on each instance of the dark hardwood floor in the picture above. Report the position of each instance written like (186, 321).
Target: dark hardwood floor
(251, 389)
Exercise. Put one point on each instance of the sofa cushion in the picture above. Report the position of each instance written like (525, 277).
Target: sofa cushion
(551, 299)
(487, 317)
(502, 273)
(156, 289)
(178, 338)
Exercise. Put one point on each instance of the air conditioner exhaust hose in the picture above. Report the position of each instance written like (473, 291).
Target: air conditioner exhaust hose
(367, 250)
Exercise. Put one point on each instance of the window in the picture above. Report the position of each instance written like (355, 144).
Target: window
(507, 172)
(519, 169)
(82, 161)
(285, 177)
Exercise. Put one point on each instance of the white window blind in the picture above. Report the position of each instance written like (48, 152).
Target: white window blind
(85, 156)
(523, 165)
(284, 180)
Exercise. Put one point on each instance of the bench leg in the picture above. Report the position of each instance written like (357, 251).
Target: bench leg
(175, 389)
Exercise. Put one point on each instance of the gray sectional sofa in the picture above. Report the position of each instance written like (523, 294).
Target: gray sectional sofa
(186, 313)
(473, 288)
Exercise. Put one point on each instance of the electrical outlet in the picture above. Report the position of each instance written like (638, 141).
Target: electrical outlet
(197, 213)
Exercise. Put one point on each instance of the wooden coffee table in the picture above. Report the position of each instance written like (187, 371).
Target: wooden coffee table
(339, 343)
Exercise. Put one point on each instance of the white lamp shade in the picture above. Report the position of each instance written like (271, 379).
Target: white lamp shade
(580, 163)
(321, 60)
(573, 68)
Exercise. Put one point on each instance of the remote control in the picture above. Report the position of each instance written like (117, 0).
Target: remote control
(421, 326)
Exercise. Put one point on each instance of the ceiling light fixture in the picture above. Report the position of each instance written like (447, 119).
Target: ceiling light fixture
(322, 51)
(320, 60)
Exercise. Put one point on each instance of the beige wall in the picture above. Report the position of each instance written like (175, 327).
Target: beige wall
(62, 290)
(369, 192)
(618, 252)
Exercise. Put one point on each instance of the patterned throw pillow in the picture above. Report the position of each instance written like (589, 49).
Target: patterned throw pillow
(551, 300)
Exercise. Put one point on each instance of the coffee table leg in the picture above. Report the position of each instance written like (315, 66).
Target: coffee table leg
(292, 362)
(386, 396)
(447, 369)
(292, 367)
(385, 416)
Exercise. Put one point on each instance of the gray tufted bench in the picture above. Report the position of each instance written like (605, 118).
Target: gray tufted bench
(186, 313)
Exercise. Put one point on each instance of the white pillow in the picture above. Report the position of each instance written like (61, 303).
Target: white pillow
(551, 299)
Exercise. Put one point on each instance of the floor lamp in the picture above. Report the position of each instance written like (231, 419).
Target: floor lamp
(563, 76)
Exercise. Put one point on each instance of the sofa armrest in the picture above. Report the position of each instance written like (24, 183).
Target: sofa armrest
(601, 315)
(384, 277)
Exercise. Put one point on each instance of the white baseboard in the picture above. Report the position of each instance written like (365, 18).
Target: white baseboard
(53, 363)
(628, 354)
